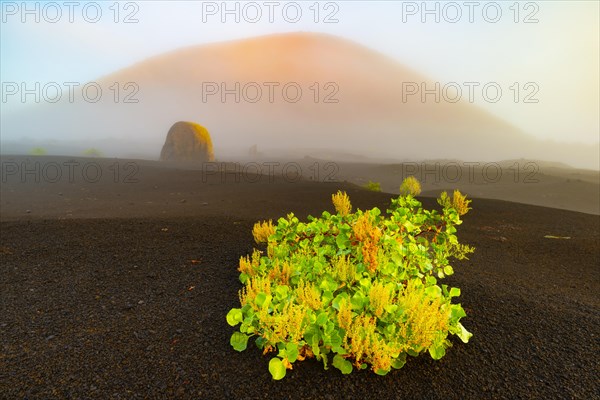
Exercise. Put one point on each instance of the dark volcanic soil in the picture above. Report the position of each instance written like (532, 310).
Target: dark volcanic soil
(133, 306)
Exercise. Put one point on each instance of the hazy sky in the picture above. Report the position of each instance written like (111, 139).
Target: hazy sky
(544, 51)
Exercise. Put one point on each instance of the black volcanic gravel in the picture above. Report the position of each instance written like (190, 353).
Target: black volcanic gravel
(116, 309)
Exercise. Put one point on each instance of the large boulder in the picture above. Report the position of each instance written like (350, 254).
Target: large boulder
(187, 141)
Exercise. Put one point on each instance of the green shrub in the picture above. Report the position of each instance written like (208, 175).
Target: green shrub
(38, 151)
(373, 186)
(92, 152)
(410, 185)
(353, 289)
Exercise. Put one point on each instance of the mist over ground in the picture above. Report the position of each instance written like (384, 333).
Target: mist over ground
(300, 93)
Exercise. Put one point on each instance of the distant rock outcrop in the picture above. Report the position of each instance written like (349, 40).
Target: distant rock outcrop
(187, 141)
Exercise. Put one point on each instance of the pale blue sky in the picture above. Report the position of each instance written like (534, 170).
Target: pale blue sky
(559, 52)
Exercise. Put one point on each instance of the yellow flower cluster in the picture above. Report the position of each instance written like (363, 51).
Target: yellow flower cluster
(280, 274)
(426, 316)
(287, 326)
(253, 287)
(344, 316)
(380, 295)
(309, 295)
(250, 266)
(459, 202)
(368, 234)
(366, 344)
(262, 230)
(341, 202)
(343, 269)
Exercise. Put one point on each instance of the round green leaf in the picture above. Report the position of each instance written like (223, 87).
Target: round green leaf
(234, 316)
(276, 368)
(342, 364)
(437, 352)
(342, 241)
(291, 350)
(434, 291)
(358, 301)
(239, 341)
(399, 362)
(282, 291)
(322, 319)
(263, 299)
(260, 342)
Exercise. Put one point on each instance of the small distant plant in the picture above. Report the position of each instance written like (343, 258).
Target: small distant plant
(373, 186)
(38, 151)
(92, 152)
(410, 186)
(353, 289)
